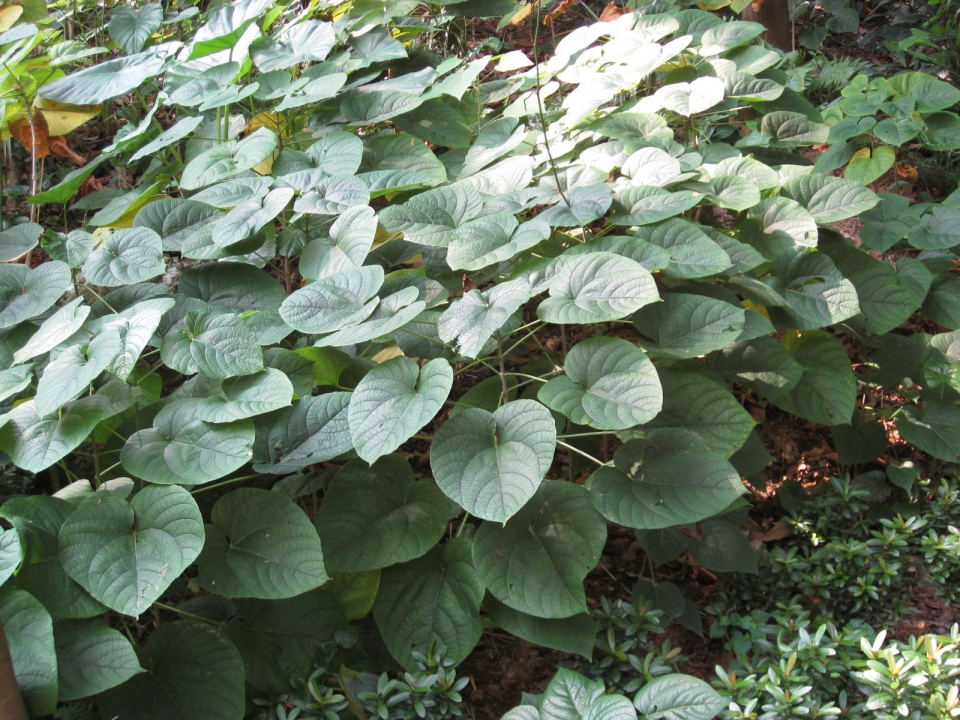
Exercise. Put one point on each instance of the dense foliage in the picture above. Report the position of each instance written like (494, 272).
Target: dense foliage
(394, 310)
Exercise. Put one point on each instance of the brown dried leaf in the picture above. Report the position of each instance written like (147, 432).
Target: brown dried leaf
(20, 129)
(521, 14)
(558, 11)
(611, 12)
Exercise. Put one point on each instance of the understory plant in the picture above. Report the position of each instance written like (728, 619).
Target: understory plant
(346, 343)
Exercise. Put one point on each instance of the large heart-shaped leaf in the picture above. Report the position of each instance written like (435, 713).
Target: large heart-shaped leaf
(473, 319)
(74, 369)
(275, 637)
(19, 240)
(435, 598)
(260, 545)
(597, 287)
(126, 554)
(575, 634)
(536, 563)
(678, 697)
(182, 449)
(830, 198)
(35, 443)
(376, 516)
(54, 330)
(762, 363)
(335, 301)
(104, 81)
(934, 430)
(827, 391)
(228, 159)
(247, 396)
(315, 429)
(686, 325)
(37, 520)
(129, 256)
(492, 463)
(91, 657)
(130, 28)
(432, 217)
(666, 480)
(609, 384)
(193, 673)
(703, 407)
(29, 632)
(25, 293)
(307, 41)
(11, 553)
(393, 401)
(571, 696)
(214, 343)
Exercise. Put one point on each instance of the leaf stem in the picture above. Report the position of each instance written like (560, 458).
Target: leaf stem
(100, 298)
(225, 482)
(578, 451)
(586, 434)
(190, 615)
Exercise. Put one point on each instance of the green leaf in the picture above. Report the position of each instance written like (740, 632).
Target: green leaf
(491, 464)
(609, 384)
(827, 390)
(597, 287)
(721, 547)
(942, 305)
(35, 444)
(19, 240)
(685, 326)
(393, 401)
(128, 256)
(432, 217)
(350, 240)
(334, 302)
(11, 554)
(678, 697)
(866, 168)
(376, 516)
(25, 293)
(472, 320)
(15, 380)
(435, 598)
(249, 217)
(886, 223)
(816, 292)
(704, 408)
(228, 159)
(64, 190)
(307, 41)
(73, 370)
(182, 449)
(73, 248)
(941, 132)
(663, 545)
(666, 480)
(104, 81)
(729, 35)
(399, 162)
(829, 198)
(934, 430)
(276, 638)
(691, 98)
(260, 545)
(571, 696)
(575, 634)
(861, 441)
(493, 239)
(37, 520)
(644, 204)
(536, 563)
(314, 430)
(929, 93)
(582, 206)
(55, 329)
(127, 554)
(213, 343)
(193, 673)
(693, 254)
(29, 632)
(897, 131)
(92, 657)
(173, 134)
(135, 327)
(761, 363)
(938, 229)
(790, 129)
(130, 28)
(247, 396)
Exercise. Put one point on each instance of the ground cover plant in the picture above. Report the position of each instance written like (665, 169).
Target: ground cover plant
(345, 345)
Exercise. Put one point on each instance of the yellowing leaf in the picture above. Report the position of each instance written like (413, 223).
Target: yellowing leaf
(62, 118)
(8, 16)
(270, 120)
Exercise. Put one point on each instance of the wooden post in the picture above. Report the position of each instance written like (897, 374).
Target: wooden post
(11, 702)
(775, 16)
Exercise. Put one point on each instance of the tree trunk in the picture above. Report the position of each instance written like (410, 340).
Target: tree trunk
(11, 702)
(775, 16)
